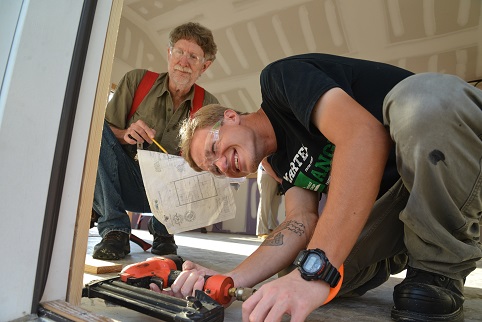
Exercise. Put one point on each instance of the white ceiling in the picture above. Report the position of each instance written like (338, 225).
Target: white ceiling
(420, 35)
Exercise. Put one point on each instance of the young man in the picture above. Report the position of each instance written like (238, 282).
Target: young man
(399, 156)
(119, 186)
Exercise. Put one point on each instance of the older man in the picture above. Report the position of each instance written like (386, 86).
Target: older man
(168, 101)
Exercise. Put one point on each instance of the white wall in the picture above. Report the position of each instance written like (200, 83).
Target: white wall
(60, 267)
(9, 15)
(36, 57)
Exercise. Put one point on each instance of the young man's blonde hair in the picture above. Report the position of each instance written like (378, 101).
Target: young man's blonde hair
(207, 116)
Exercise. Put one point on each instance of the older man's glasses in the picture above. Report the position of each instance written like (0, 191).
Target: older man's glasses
(211, 149)
(193, 59)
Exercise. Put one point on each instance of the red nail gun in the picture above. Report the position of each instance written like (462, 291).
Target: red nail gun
(200, 307)
(130, 289)
(163, 271)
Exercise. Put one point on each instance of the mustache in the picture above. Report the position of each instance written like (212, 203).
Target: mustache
(183, 69)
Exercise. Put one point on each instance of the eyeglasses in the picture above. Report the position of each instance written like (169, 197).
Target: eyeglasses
(211, 149)
(193, 59)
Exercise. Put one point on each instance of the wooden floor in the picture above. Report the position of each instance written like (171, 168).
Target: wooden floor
(222, 252)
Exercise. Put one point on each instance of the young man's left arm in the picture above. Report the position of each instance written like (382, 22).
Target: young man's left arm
(361, 149)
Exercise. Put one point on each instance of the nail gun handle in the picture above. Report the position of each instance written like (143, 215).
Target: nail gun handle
(216, 286)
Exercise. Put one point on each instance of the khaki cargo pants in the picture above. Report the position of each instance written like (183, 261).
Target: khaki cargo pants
(430, 218)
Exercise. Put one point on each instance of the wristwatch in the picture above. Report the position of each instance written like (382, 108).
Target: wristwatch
(314, 265)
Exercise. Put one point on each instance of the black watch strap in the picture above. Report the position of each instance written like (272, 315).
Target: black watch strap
(330, 275)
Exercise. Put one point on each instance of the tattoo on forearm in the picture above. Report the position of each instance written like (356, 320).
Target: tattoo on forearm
(276, 237)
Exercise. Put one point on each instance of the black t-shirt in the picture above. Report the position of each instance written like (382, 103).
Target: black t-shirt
(291, 87)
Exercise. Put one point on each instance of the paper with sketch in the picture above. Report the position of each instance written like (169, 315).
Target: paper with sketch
(181, 198)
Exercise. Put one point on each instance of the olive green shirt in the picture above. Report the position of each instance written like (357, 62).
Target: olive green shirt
(156, 110)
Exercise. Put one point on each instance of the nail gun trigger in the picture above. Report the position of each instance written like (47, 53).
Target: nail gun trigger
(139, 281)
(158, 281)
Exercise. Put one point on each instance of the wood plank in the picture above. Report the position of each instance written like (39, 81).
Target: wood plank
(72, 312)
(96, 266)
(79, 248)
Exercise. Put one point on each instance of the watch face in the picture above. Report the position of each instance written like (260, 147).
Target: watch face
(313, 263)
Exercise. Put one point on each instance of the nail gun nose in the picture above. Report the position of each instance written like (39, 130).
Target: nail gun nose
(241, 293)
(221, 289)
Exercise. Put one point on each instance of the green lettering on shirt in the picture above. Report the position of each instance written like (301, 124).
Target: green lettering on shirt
(306, 183)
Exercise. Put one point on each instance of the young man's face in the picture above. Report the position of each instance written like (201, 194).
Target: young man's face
(226, 149)
(186, 62)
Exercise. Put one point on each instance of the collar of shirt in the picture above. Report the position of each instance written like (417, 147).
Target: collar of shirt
(165, 88)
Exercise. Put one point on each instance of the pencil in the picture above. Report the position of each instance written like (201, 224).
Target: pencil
(160, 147)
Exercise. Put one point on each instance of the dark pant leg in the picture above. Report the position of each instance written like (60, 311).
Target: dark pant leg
(118, 187)
(435, 121)
(379, 250)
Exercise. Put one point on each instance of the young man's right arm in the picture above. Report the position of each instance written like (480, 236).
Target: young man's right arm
(277, 252)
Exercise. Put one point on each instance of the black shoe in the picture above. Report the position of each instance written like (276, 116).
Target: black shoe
(114, 245)
(162, 245)
(425, 296)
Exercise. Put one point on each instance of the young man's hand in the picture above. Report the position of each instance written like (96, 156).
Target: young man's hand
(190, 280)
(289, 294)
